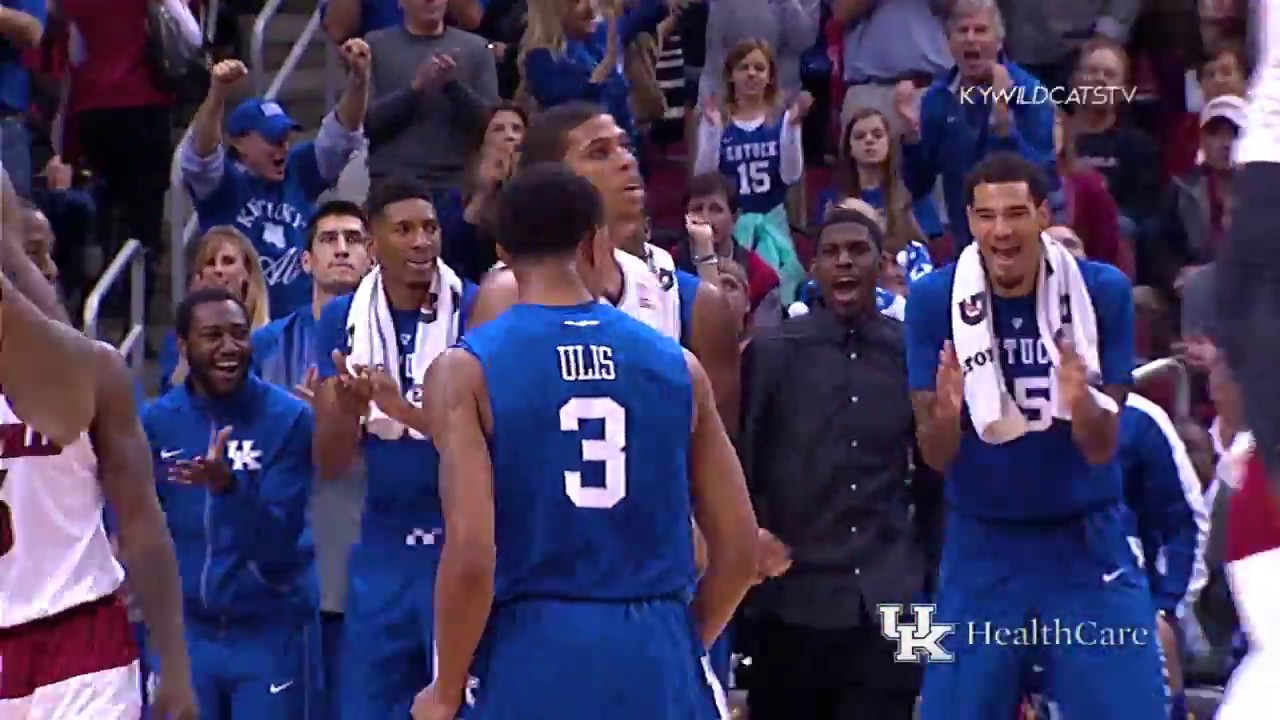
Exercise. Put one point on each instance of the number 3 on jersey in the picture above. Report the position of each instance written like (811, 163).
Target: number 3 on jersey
(611, 450)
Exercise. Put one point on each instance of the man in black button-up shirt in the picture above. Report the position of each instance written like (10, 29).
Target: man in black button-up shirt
(827, 448)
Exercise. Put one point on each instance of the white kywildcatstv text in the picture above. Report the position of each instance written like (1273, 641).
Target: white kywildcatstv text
(1040, 95)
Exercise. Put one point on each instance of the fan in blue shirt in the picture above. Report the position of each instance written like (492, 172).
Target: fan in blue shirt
(267, 186)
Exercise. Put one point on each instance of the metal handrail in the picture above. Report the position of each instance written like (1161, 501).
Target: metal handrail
(257, 44)
(133, 257)
(1182, 395)
(295, 53)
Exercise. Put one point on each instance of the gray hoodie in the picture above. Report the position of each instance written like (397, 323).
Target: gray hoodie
(789, 26)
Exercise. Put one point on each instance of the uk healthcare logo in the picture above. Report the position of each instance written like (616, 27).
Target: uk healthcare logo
(920, 640)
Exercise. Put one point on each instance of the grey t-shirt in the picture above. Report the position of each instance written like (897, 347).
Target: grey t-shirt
(432, 139)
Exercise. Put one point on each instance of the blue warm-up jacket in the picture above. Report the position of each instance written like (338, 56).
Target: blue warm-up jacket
(956, 133)
(1162, 491)
(245, 553)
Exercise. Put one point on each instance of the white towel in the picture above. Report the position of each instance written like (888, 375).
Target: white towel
(374, 342)
(1063, 307)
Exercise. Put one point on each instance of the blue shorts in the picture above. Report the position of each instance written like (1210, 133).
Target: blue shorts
(585, 661)
(1067, 597)
(389, 627)
(255, 669)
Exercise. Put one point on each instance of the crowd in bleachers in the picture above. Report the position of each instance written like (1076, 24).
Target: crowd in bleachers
(751, 120)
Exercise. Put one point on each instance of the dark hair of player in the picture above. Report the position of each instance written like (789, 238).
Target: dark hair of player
(546, 210)
(547, 137)
(392, 191)
(187, 308)
(1004, 168)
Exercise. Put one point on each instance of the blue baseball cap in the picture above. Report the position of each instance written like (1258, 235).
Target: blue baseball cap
(264, 117)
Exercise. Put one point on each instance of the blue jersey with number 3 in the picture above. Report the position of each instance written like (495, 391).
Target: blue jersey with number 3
(1041, 474)
(592, 413)
(752, 160)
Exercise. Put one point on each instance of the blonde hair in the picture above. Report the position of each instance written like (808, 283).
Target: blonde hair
(255, 292)
(544, 30)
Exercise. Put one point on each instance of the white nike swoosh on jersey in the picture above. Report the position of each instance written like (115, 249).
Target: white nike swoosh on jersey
(169, 454)
(276, 689)
(1108, 577)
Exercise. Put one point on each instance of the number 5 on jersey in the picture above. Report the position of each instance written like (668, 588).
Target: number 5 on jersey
(611, 450)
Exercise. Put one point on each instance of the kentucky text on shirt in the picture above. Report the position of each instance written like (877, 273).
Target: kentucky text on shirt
(751, 151)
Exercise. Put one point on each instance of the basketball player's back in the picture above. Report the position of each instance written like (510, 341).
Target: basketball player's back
(592, 414)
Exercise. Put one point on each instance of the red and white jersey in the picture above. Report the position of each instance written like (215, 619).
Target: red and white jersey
(1253, 567)
(54, 551)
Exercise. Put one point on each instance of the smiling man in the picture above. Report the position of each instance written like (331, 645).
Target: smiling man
(232, 457)
(826, 452)
(1019, 357)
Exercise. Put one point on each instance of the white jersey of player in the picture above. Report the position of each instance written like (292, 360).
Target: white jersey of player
(1253, 567)
(649, 290)
(54, 551)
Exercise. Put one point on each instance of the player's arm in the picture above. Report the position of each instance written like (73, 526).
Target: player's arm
(938, 425)
(498, 292)
(464, 582)
(1096, 429)
(714, 341)
(128, 481)
(723, 511)
(47, 368)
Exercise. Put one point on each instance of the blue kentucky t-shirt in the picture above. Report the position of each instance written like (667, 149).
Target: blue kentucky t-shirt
(1041, 474)
(274, 216)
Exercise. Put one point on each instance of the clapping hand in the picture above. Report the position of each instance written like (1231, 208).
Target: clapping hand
(949, 384)
(800, 108)
(210, 471)
(306, 389)
(1073, 376)
(352, 387)
(906, 103)
(435, 72)
(709, 110)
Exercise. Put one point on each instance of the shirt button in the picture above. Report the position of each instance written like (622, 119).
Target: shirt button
(857, 571)
(853, 399)
(853, 529)
(853, 443)
(853, 356)
(854, 486)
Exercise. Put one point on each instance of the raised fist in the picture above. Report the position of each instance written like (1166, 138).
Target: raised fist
(356, 54)
(227, 73)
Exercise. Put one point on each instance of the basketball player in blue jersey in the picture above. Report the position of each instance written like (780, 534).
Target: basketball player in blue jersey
(575, 444)
(588, 140)
(400, 318)
(1036, 544)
